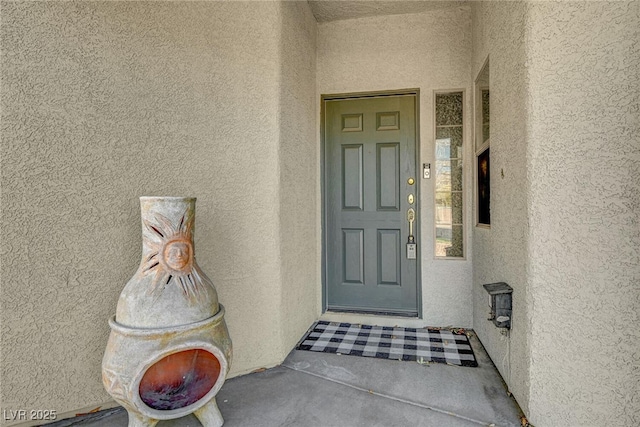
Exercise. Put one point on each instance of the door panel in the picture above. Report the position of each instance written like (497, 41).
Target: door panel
(388, 176)
(370, 153)
(353, 256)
(389, 251)
(352, 190)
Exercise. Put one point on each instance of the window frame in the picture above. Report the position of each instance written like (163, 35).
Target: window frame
(480, 146)
(464, 190)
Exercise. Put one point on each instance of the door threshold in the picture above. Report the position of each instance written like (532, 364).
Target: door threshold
(373, 312)
(368, 318)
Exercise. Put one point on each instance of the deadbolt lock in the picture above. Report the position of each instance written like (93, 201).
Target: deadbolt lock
(410, 181)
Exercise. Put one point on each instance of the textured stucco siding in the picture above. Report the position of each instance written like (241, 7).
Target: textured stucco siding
(500, 253)
(564, 233)
(584, 169)
(299, 166)
(103, 102)
(429, 51)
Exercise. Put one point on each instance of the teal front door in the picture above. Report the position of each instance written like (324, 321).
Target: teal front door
(370, 197)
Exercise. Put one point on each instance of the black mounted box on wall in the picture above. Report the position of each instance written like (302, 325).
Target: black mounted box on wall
(500, 303)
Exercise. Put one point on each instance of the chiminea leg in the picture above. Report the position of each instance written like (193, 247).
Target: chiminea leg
(209, 415)
(136, 419)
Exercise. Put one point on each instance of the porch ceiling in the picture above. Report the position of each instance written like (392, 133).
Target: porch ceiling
(335, 10)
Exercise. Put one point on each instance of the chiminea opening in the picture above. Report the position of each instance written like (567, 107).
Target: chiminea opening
(179, 379)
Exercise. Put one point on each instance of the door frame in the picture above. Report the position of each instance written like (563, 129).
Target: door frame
(323, 188)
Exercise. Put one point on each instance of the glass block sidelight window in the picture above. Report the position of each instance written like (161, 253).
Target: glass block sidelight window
(448, 177)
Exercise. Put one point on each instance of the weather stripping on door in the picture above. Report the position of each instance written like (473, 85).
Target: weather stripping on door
(411, 244)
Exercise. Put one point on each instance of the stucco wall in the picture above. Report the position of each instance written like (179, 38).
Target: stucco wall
(104, 102)
(564, 232)
(299, 170)
(500, 253)
(584, 170)
(429, 51)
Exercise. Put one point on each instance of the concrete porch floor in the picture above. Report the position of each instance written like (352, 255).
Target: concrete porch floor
(322, 390)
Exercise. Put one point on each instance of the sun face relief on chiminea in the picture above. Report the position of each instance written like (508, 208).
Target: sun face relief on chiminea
(169, 350)
(171, 257)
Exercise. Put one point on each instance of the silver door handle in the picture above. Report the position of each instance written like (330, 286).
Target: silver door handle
(411, 216)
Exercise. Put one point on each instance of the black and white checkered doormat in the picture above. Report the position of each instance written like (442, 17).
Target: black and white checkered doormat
(385, 342)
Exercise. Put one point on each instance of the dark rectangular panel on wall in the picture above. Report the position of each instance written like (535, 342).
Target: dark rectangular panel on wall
(388, 176)
(353, 255)
(352, 191)
(389, 249)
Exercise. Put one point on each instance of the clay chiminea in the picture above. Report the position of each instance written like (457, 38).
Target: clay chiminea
(169, 350)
